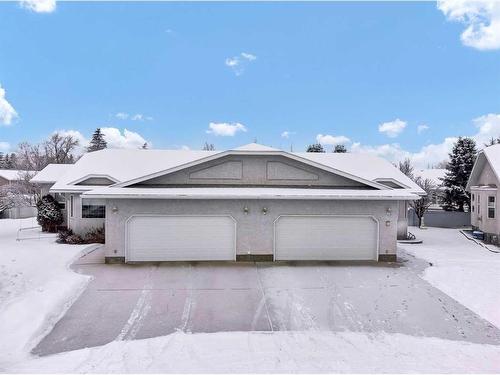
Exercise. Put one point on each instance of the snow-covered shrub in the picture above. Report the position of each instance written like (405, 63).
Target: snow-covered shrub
(74, 239)
(49, 214)
(95, 235)
(63, 234)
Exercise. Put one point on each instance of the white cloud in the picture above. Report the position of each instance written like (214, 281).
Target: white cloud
(481, 18)
(4, 146)
(7, 112)
(136, 117)
(248, 56)
(422, 128)
(427, 155)
(286, 134)
(392, 128)
(238, 63)
(122, 115)
(225, 129)
(332, 139)
(486, 126)
(113, 136)
(39, 6)
(128, 139)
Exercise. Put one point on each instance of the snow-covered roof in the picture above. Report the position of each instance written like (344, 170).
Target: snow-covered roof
(125, 165)
(248, 193)
(490, 154)
(131, 166)
(51, 173)
(13, 174)
(367, 166)
(255, 147)
(435, 175)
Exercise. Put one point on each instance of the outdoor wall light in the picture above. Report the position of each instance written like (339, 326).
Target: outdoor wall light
(114, 209)
(264, 210)
(389, 211)
(246, 210)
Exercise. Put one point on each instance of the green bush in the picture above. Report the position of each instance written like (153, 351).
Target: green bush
(63, 234)
(94, 235)
(74, 239)
(49, 214)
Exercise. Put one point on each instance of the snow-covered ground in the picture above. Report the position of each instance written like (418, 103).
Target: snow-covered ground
(36, 286)
(465, 271)
(249, 352)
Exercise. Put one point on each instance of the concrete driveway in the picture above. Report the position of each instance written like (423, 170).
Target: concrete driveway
(125, 302)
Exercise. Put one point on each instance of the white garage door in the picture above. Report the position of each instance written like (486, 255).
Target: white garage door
(326, 238)
(170, 238)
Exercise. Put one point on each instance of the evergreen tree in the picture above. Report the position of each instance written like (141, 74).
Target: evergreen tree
(492, 141)
(49, 214)
(459, 168)
(2, 161)
(208, 147)
(316, 147)
(341, 149)
(6, 162)
(145, 146)
(97, 142)
(13, 161)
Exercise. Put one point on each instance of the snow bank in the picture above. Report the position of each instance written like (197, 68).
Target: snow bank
(36, 287)
(462, 269)
(238, 352)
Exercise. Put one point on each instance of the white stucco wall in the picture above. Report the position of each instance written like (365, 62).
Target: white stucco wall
(254, 170)
(480, 219)
(76, 223)
(255, 231)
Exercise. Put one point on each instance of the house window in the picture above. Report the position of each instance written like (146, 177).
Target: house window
(71, 206)
(473, 197)
(60, 200)
(93, 209)
(478, 204)
(491, 207)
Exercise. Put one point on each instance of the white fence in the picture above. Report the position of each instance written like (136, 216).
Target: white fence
(19, 212)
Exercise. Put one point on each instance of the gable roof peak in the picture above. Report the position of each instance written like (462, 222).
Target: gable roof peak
(255, 147)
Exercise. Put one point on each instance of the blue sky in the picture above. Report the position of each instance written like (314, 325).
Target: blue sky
(180, 74)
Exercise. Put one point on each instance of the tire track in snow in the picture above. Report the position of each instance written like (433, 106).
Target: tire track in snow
(140, 311)
(188, 303)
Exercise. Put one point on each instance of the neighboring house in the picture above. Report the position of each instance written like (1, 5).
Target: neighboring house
(483, 185)
(47, 177)
(9, 177)
(436, 176)
(250, 203)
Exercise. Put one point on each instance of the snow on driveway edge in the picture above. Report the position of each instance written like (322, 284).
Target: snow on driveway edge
(27, 318)
(462, 269)
(80, 283)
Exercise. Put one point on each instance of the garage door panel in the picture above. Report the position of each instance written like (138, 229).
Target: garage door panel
(164, 238)
(326, 238)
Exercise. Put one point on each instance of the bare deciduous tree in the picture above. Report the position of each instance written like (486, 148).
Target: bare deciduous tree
(57, 149)
(406, 167)
(14, 195)
(422, 205)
